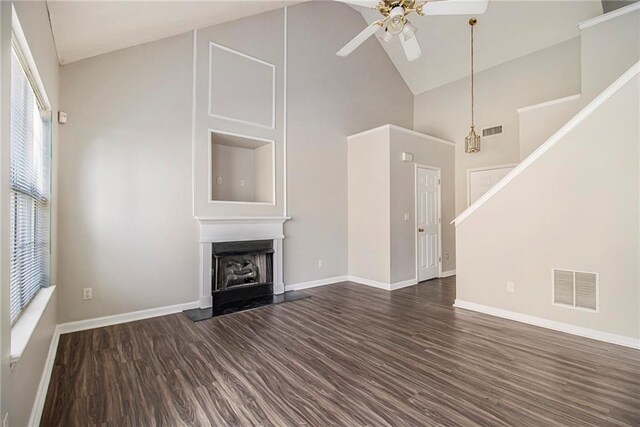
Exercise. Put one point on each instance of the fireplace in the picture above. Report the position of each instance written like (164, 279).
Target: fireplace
(241, 271)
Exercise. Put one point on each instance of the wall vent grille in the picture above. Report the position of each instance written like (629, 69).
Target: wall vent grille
(495, 130)
(576, 289)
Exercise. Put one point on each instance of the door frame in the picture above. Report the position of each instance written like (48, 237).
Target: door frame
(415, 216)
(484, 168)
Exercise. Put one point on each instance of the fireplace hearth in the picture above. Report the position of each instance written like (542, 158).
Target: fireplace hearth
(241, 271)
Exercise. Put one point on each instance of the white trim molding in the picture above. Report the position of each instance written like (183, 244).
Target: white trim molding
(401, 129)
(550, 324)
(315, 283)
(210, 184)
(607, 16)
(485, 168)
(99, 322)
(448, 273)
(273, 87)
(382, 285)
(24, 327)
(235, 229)
(43, 386)
(82, 325)
(553, 140)
(549, 103)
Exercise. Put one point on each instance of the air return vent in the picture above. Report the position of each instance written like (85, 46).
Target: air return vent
(495, 130)
(577, 289)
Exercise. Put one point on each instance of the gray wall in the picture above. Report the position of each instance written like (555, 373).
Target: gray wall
(250, 95)
(126, 220)
(403, 199)
(126, 224)
(233, 165)
(19, 385)
(329, 98)
(445, 112)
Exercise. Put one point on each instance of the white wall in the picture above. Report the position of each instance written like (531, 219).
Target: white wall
(445, 112)
(608, 50)
(582, 193)
(369, 206)
(126, 224)
(536, 125)
(329, 98)
(19, 385)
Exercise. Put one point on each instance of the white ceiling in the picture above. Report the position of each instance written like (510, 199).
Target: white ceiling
(508, 30)
(83, 29)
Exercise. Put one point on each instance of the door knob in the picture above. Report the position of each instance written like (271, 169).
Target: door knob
(421, 230)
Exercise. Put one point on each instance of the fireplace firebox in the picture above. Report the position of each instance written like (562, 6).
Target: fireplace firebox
(241, 271)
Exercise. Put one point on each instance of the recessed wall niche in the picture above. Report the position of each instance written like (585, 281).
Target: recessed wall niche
(241, 168)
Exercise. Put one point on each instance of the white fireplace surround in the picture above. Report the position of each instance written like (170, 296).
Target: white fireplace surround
(236, 229)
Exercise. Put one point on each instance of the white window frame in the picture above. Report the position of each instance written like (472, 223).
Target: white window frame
(23, 328)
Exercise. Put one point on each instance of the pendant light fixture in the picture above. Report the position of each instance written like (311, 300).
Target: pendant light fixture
(472, 141)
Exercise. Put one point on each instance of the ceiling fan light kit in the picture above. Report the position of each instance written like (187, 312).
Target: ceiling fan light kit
(394, 20)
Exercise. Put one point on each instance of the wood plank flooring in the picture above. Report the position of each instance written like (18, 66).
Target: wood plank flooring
(350, 355)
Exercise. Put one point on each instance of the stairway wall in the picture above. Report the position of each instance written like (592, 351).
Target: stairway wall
(576, 207)
(607, 49)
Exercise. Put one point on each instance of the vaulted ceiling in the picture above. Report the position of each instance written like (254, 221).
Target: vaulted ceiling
(509, 29)
(83, 29)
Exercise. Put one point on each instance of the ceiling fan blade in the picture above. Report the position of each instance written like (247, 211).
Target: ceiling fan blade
(362, 3)
(411, 48)
(455, 7)
(359, 39)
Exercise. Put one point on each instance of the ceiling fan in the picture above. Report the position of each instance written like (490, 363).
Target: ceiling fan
(394, 20)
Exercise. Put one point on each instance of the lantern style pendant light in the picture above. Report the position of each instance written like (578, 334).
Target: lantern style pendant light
(472, 141)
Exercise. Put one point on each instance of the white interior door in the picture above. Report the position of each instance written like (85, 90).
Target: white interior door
(428, 222)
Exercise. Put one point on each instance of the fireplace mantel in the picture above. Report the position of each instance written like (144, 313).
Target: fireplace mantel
(235, 229)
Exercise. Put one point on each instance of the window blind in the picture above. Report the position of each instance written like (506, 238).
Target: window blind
(30, 189)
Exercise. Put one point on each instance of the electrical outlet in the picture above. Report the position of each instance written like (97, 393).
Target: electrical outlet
(320, 263)
(242, 182)
(511, 287)
(87, 293)
(407, 216)
(218, 180)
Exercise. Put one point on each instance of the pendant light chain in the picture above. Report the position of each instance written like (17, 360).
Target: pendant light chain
(472, 141)
(472, 83)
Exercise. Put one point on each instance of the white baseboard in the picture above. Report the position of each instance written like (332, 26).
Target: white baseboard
(81, 325)
(404, 284)
(550, 324)
(115, 319)
(369, 282)
(382, 285)
(314, 283)
(43, 386)
(448, 273)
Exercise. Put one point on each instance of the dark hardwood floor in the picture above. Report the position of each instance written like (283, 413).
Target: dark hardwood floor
(349, 355)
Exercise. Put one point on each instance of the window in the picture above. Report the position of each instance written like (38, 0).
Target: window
(30, 186)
